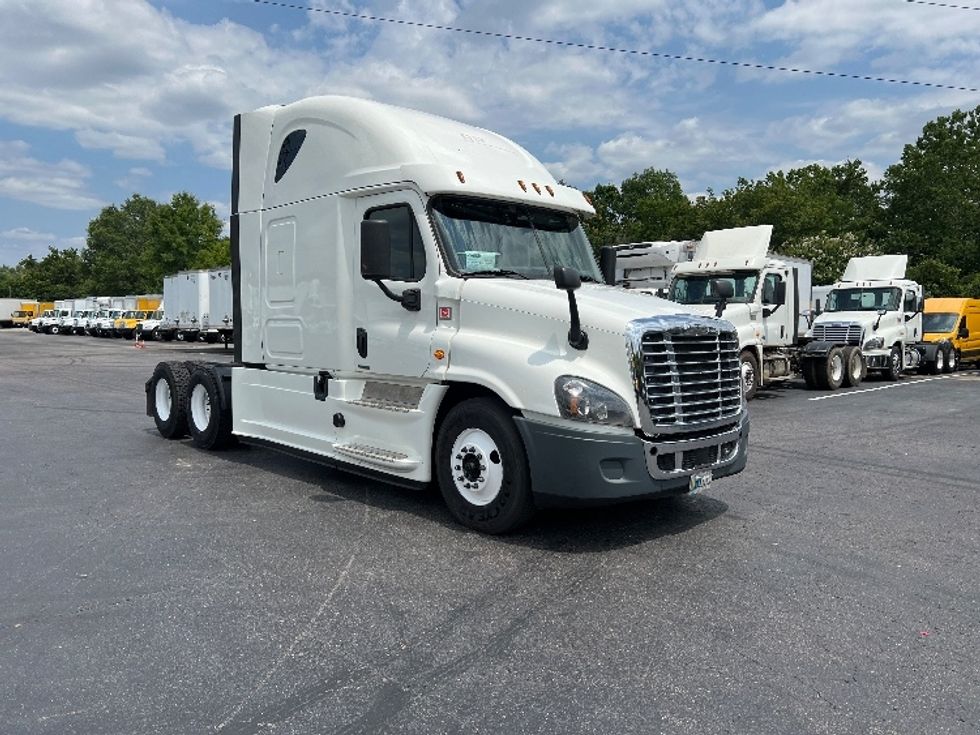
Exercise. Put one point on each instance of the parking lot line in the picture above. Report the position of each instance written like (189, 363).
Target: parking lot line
(905, 384)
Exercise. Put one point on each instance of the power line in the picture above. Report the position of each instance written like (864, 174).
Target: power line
(613, 49)
(951, 6)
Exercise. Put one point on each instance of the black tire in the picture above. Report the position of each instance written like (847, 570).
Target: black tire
(938, 363)
(749, 374)
(854, 368)
(808, 366)
(830, 370)
(210, 338)
(207, 422)
(896, 363)
(952, 360)
(511, 504)
(169, 386)
(54, 329)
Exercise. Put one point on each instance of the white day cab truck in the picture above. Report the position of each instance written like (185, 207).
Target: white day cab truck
(415, 300)
(872, 321)
(765, 297)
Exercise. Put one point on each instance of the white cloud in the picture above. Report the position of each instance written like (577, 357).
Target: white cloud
(19, 242)
(60, 185)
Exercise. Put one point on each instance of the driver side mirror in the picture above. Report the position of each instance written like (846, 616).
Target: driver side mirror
(607, 264)
(963, 333)
(375, 250)
(723, 291)
(779, 298)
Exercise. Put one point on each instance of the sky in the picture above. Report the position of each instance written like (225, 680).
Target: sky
(101, 99)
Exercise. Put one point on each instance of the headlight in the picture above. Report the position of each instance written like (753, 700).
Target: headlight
(583, 400)
(875, 343)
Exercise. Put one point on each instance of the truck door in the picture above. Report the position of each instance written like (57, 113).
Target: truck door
(911, 305)
(390, 339)
(778, 325)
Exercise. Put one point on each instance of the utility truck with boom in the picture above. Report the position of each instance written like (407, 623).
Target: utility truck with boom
(415, 300)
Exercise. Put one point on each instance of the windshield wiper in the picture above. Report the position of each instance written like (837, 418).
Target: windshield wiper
(490, 273)
(590, 279)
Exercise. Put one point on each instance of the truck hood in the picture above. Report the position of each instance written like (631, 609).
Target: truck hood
(864, 318)
(603, 308)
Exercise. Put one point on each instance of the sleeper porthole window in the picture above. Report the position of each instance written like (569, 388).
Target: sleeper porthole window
(288, 151)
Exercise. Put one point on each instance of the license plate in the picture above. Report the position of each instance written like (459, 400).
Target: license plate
(699, 482)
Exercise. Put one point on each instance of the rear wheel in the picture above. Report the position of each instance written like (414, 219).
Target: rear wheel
(938, 364)
(209, 424)
(169, 385)
(952, 360)
(854, 369)
(482, 467)
(808, 366)
(749, 366)
(830, 372)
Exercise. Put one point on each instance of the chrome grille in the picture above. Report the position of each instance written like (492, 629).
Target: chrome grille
(843, 332)
(691, 376)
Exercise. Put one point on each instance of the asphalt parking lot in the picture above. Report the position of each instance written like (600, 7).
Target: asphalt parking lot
(148, 587)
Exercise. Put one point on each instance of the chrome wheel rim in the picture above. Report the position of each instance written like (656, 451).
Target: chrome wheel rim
(164, 400)
(748, 377)
(837, 368)
(200, 407)
(940, 360)
(951, 360)
(477, 467)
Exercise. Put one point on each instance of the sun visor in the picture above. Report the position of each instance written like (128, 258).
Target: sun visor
(876, 268)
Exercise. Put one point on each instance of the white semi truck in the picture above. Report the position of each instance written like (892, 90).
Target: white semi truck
(769, 303)
(646, 265)
(415, 299)
(871, 321)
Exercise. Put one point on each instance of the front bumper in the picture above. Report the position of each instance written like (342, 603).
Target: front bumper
(878, 359)
(578, 466)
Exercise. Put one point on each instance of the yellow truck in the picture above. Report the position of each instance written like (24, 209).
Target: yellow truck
(145, 305)
(29, 310)
(956, 322)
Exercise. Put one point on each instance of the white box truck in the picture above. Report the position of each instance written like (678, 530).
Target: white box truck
(7, 309)
(218, 323)
(416, 300)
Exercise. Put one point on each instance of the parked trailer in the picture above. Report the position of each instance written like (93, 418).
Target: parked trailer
(185, 295)
(8, 307)
(217, 323)
(483, 362)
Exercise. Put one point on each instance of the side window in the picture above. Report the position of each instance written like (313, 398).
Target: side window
(407, 251)
(288, 152)
(769, 287)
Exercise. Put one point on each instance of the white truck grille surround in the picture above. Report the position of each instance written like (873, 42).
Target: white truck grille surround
(843, 332)
(686, 372)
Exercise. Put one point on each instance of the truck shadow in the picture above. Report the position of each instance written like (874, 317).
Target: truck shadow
(567, 530)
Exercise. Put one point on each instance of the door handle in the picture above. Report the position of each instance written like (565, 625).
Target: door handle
(362, 343)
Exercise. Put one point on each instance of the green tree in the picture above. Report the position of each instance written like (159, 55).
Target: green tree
(932, 194)
(828, 253)
(180, 232)
(119, 253)
(216, 255)
(937, 278)
(801, 202)
(650, 205)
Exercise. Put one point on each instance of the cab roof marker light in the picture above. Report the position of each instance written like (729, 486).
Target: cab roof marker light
(587, 198)
(548, 189)
(459, 175)
(522, 185)
(536, 188)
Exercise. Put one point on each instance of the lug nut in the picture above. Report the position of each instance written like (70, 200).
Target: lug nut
(458, 467)
(459, 456)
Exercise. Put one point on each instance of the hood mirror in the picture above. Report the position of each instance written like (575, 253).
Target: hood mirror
(607, 264)
(568, 280)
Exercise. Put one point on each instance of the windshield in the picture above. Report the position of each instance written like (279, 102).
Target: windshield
(480, 235)
(939, 322)
(696, 289)
(131, 315)
(864, 299)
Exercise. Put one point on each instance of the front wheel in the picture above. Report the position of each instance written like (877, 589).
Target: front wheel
(749, 366)
(895, 364)
(482, 469)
